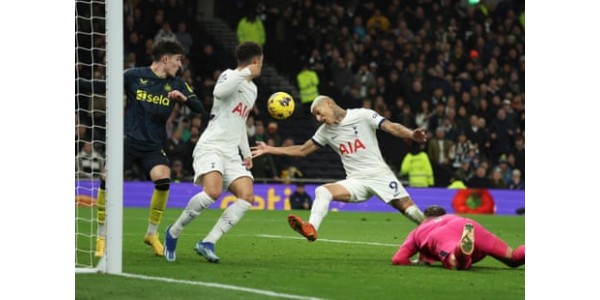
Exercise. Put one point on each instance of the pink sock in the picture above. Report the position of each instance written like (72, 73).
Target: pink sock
(518, 256)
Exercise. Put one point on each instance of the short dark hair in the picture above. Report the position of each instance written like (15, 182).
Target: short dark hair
(434, 211)
(246, 51)
(166, 48)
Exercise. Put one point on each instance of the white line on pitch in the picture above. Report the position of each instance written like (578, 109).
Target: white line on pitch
(328, 241)
(219, 285)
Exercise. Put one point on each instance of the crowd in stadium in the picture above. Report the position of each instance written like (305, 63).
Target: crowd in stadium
(456, 69)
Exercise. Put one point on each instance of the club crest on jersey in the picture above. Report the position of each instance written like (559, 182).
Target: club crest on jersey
(168, 87)
(351, 147)
(241, 109)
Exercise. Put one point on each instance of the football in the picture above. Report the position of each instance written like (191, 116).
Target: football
(281, 105)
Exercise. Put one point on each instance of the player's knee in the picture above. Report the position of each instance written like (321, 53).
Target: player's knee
(162, 184)
(248, 197)
(212, 193)
(322, 192)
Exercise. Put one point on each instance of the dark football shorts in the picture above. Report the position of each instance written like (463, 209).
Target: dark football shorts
(145, 158)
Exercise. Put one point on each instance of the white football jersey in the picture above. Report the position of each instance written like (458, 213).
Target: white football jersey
(234, 97)
(355, 141)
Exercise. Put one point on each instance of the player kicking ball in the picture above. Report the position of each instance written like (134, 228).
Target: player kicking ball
(351, 133)
(456, 242)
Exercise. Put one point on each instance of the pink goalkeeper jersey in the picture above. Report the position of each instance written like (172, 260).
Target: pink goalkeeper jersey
(432, 237)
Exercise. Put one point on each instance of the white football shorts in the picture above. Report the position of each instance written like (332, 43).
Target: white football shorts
(386, 187)
(229, 165)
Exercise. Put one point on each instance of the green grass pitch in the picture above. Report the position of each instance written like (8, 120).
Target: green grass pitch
(351, 260)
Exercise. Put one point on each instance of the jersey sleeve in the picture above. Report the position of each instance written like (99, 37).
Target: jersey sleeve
(320, 138)
(374, 119)
(192, 100)
(229, 81)
(186, 89)
(406, 250)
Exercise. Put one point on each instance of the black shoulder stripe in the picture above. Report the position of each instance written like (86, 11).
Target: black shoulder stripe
(315, 141)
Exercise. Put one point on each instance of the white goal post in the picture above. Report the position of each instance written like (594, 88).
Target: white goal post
(90, 37)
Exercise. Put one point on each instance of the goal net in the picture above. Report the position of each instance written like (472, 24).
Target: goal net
(93, 96)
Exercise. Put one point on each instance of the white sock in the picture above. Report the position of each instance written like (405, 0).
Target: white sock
(152, 228)
(320, 206)
(414, 214)
(228, 219)
(196, 204)
(102, 230)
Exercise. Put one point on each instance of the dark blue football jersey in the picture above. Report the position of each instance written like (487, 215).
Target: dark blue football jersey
(148, 106)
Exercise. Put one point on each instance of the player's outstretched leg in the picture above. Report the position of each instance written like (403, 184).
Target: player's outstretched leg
(305, 229)
(465, 248)
(153, 241)
(207, 250)
(170, 246)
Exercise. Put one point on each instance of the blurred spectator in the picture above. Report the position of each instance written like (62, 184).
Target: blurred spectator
(207, 62)
(479, 179)
(300, 199)
(188, 151)
(516, 182)
(463, 173)
(519, 154)
(165, 34)
(88, 163)
(178, 173)
(250, 127)
(184, 37)
(186, 132)
(449, 126)
(422, 116)
(251, 29)
(175, 148)
(343, 78)
(273, 132)
(264, 166)
(378, 22)
(308, 85)
(364, 79)
(174, 11)
(501, 134)
(505, 169)
(284, 163)
(496, 178)
(417, 166)
(259, 133)
(145, 58)
(438, 96)
(416, 94)
(393, 87)
(406, 117)
(462, 119)
(460, 150)
(439, 152)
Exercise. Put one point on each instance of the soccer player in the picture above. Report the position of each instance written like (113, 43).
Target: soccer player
(217, 163)
(152, 94)
(352, 135)
(455, 241)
